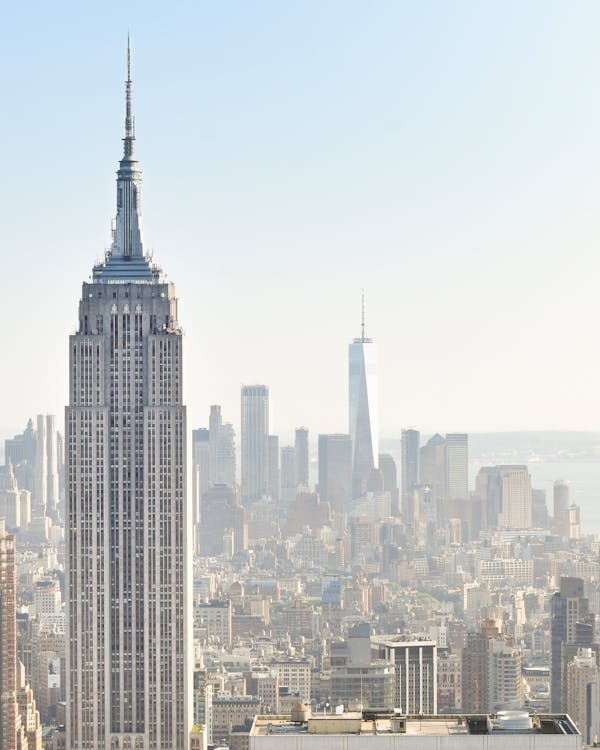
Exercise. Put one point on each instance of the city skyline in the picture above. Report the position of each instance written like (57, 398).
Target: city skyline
(428, 199)
(323, 548)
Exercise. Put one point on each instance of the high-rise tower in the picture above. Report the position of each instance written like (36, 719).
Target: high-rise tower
(129, 628)
(255, 442)
(362, 403)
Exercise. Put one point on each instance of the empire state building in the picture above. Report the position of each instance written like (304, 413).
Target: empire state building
(129, 628)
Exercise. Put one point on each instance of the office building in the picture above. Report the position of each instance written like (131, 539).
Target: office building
(255, 442)
(274, 478)
(20, 727)
(220, 510)
(457, 466)
(449, 671)
(571, 627)
(294, 674)
(505, 683)
(389, 474)
(415, 670)
(516, 497)
(226, 456)
(488, 490)
(22, 448)
(15, 503)
(561, 503)
(288, 474)
(221, 439)
(9, 722)
(409, 471)
(433, 465)
(582, 672)
(203, 698)
(505, 496)
(335, 470)
(215, 617)
(301, 456)
(363, 409)
(215, 422)
(128, 580)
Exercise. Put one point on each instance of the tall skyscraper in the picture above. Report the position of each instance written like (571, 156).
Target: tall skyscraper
(389, 473)
(433, 465)
(20, 727)
(226, 459)
(255, 442)
(287, 474)
(215, 423)
(561, 504)
(301, 456)
(40, 492)
(571, 627)
(200, 476)
(8, 639)
(488, 488)
(221, 466)
(128, 564)
(409, 470)
(516, 497)
(363, 411)
(274, 478)
(335, 470)
(52, 496)
(457, 466)
(505, 494)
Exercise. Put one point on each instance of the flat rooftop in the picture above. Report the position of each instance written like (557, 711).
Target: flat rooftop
(367, 723)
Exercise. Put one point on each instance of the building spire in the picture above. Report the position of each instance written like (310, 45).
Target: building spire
(129, 118)
(362, 327)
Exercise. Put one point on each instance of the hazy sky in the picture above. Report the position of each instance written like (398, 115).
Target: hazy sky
(445, 156)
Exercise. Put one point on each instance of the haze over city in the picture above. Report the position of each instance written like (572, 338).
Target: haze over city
(441, 156)
(300, 440)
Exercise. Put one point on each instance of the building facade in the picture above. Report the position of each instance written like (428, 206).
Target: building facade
(301, 456)
(363, 409)
(335, 470)
(255, 442)
(129, 628)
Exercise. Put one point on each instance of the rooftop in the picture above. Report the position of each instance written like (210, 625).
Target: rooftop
(371, 723)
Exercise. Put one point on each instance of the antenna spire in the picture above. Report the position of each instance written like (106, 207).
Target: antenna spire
(363, 316)
(129, 118)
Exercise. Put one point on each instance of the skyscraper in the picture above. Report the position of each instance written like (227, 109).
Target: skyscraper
(409, 470)
(571, 627)
(389, 473)
(335, 470)
(433, 465)
(8, 636)
(362, 407)
(274, 478)
(287, 474)
(20, 727)
(561, 503)
(214, 426)
(516, 497)
(218, 466)
(128, 579)
(255, 442)
(40, 491)
(200, 476)
(301, 456)
(457, 466)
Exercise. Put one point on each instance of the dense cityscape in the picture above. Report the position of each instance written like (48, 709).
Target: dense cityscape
(167, 586)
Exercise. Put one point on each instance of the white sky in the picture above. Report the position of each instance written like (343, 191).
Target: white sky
(442, 155)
